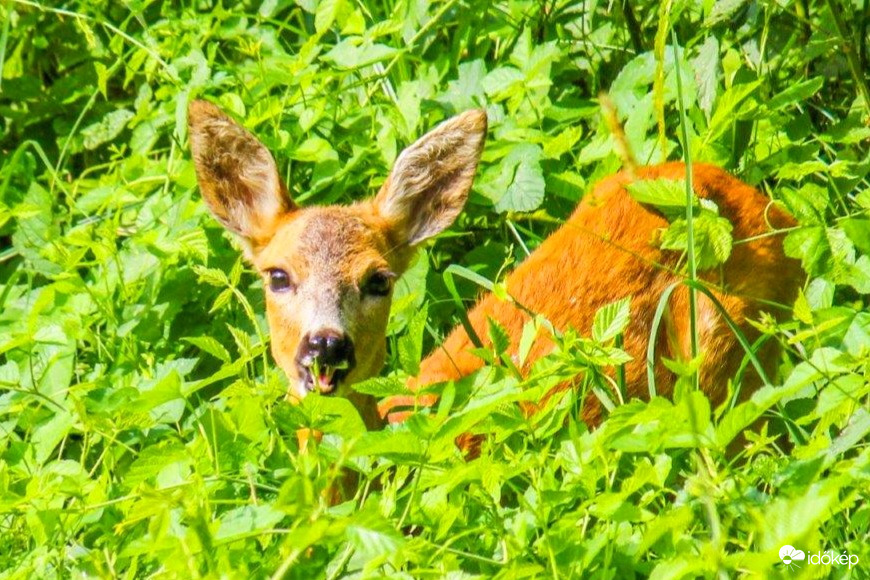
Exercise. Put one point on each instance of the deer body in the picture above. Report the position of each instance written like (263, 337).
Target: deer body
(604, 253)
(328, 272)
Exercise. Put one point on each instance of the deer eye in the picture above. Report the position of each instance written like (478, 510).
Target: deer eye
(378, 284)
(279, 281)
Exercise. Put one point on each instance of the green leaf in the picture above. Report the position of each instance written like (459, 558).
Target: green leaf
(411, 343)
(799, 91)
(498, 336)
(707, 70)
(325, 14)
(373, 537)
(209, 345)
(809, 245)
(241, 521)
(152, 460)
(858, 230)
(47, 436)
(503, 82)
(728, 109)
(723, 10)
(667, 195)
(106, 129)
(353, 53)
(408, 294)
(526, 192)
(857, 338)
(712, 235)
(381, 387)
(611, 320)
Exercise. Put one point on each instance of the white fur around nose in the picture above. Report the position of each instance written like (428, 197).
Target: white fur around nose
(320, 309)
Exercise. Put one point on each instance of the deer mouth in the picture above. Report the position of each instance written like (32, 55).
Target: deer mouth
(323, 378)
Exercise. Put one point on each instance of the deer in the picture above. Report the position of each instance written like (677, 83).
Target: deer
(329, 271)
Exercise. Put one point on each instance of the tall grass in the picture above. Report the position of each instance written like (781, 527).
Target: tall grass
(142, 427)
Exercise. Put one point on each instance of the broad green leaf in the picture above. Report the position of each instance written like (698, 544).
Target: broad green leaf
(611, 320)
(796, 92)
(707, 70)
(209, 345)
(106, 129)
(47, 436)
(526, 191)
(241, 521)
(665, 194)
(728, 108)
(354, 53)
(325, 14)
(151, 460)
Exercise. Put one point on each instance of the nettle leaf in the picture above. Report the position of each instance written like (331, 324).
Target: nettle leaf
(712, 234)
(315, 149)
(858, 230)
(707, 70)
(381, 387)
(526, 191)
(373, 537)
(857, 338)
(467, 91)
(47, 436)
(810, 245)
(499, 337)
(611, 320)
(563, 142)
(37, 230)
(667, 195)
(807, 203)
(408, 294)
(723, 10)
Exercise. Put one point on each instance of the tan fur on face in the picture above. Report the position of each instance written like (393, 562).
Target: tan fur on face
(329, 252)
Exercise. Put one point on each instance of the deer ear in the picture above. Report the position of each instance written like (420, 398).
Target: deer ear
(429, 183)
(237, 175)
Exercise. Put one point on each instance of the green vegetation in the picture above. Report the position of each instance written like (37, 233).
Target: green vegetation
(142, 431)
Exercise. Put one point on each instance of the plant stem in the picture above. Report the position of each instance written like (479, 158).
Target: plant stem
(633, 26)
(690, 231)
(852, 56)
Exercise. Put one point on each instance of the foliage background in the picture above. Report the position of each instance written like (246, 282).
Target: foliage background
(141, 428)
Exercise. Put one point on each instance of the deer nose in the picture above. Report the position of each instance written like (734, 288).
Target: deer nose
(328, 347)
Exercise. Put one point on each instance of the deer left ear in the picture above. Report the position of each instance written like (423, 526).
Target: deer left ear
(430, 181)
(237, 175)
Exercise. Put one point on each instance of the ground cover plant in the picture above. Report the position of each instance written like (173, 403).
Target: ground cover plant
(142, 427)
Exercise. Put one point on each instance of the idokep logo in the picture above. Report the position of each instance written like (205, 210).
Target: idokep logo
(792, 557)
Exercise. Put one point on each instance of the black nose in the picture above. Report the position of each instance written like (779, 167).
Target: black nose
(328, 348)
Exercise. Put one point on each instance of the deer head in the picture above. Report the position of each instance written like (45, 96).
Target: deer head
(329, 271)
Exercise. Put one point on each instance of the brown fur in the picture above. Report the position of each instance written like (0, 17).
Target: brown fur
(603, 253)
(329, 252)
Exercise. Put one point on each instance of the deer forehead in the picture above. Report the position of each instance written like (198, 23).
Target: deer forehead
(340, 244)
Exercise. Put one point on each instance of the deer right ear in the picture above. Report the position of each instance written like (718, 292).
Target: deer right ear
(237, 175)
(430, 180)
